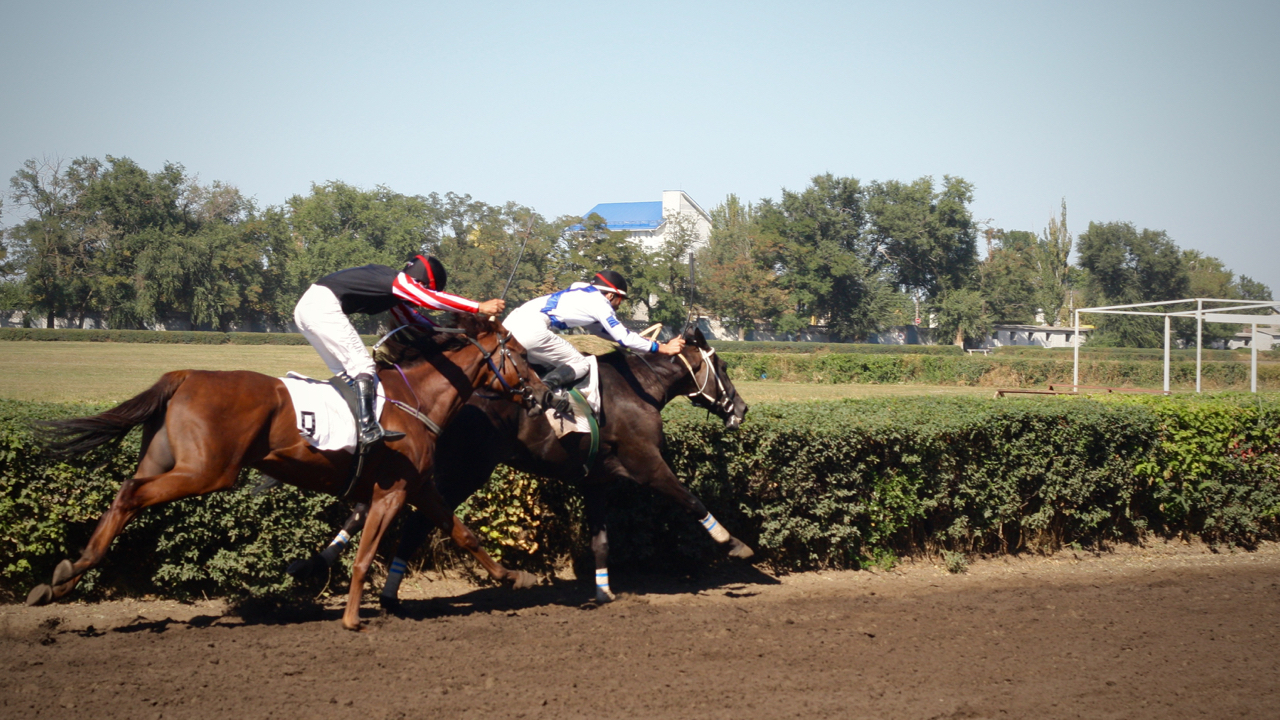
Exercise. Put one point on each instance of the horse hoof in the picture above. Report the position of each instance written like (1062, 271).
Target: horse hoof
(40, 595)
(604, 596)
(390, 604)
(357, 627)
(740, 550)
(64, 572)
(523, 580)
(305, 568)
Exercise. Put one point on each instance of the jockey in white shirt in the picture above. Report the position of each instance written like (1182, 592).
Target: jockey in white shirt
(589, 305)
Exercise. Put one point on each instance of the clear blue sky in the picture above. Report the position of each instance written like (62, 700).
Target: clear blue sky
(1164, 114)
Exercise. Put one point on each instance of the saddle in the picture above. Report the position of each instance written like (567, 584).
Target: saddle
(584, 397)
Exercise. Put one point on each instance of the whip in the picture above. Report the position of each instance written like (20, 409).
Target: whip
(527, 232)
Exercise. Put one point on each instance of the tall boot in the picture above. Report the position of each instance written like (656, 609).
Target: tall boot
(370, 431)
(557, 382)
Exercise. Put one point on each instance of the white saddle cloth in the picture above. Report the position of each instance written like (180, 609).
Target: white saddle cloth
(589, 386)
(323, 417)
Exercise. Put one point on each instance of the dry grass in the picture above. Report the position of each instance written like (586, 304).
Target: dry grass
(111, 372)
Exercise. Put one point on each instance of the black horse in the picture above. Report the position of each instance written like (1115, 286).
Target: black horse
(633, 391)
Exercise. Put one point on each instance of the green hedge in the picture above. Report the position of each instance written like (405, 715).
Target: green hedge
(220, 544)
(990, 371)
(173, 337)
(732, 346)
(834, 484)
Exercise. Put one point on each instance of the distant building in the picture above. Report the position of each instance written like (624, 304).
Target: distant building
(1268, 338)
(1048, 336)
(647, 222)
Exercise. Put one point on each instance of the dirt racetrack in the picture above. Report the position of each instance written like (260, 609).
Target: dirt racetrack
(1166, 632)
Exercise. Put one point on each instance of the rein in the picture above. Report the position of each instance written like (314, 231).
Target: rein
(414, 411)
(502, 348)
(721, 398)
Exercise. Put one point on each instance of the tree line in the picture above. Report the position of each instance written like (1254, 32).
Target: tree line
(108, 239)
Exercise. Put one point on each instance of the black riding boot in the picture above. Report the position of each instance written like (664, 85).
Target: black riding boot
(557, 382)
(370, 431)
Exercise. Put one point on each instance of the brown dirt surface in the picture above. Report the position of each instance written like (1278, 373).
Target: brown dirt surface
(1168, 631)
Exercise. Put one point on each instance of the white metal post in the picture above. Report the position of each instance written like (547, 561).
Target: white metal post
(1075, 356)
(1166, 353)
(1199, 338)
(1253, 350)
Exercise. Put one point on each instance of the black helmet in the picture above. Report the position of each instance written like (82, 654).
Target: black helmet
(428, 271)
(609, 281)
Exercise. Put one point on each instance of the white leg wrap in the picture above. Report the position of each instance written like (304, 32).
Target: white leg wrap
(603, 593)
(718, 533)
(394, 575)
(331, 553)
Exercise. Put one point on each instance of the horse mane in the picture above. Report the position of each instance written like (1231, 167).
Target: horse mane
(414, 346)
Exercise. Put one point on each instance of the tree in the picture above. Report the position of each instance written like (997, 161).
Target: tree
(736, 281)
(58, 250)
(1251, 289)
(1124, 267)
(1008, 276)
(823, 257)
(590, 246)
(961, 314)
(663, 283)
(927, 237)
(1052, 262)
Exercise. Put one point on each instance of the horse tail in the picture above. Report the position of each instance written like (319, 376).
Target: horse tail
(66, 438)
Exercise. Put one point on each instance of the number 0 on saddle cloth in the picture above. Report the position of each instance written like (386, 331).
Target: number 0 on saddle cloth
(324, 418)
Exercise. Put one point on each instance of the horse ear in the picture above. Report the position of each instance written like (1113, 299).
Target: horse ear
(694, 336)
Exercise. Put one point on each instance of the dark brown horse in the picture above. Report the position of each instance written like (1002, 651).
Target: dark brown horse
(201, 428)
(633, 391)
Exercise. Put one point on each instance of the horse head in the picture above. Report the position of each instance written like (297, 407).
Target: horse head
(504, 364)
(713, 389)
(507, 372)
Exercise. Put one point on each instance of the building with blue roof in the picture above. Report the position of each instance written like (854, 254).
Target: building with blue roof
(648, 222)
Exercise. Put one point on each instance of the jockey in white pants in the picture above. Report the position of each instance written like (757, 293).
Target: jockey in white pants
(321, 315)
(589, 305)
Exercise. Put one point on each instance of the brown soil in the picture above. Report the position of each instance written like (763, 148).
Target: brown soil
(1166, 632)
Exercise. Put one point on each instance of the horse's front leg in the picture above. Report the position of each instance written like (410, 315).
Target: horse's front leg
(597, 508)
(648, 468)
(383, 509)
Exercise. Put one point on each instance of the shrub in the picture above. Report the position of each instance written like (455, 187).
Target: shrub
(752, 346)
(810, 485)
(224, 543)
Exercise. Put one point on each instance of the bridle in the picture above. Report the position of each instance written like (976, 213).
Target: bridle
(723, 399)
(521, 393)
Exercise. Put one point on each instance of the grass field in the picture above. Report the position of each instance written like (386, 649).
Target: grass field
(110, 372)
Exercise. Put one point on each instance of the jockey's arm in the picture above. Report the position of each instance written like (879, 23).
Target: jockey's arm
(404, 314)
(619, 333)
(410, 290)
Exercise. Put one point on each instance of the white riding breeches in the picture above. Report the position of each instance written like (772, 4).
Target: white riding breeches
(532, 329)
(320, 318)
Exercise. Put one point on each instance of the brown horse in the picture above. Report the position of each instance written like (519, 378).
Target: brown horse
(201, 428)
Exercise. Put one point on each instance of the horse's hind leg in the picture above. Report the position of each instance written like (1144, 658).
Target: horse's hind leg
(135, 494)
(597, 509)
